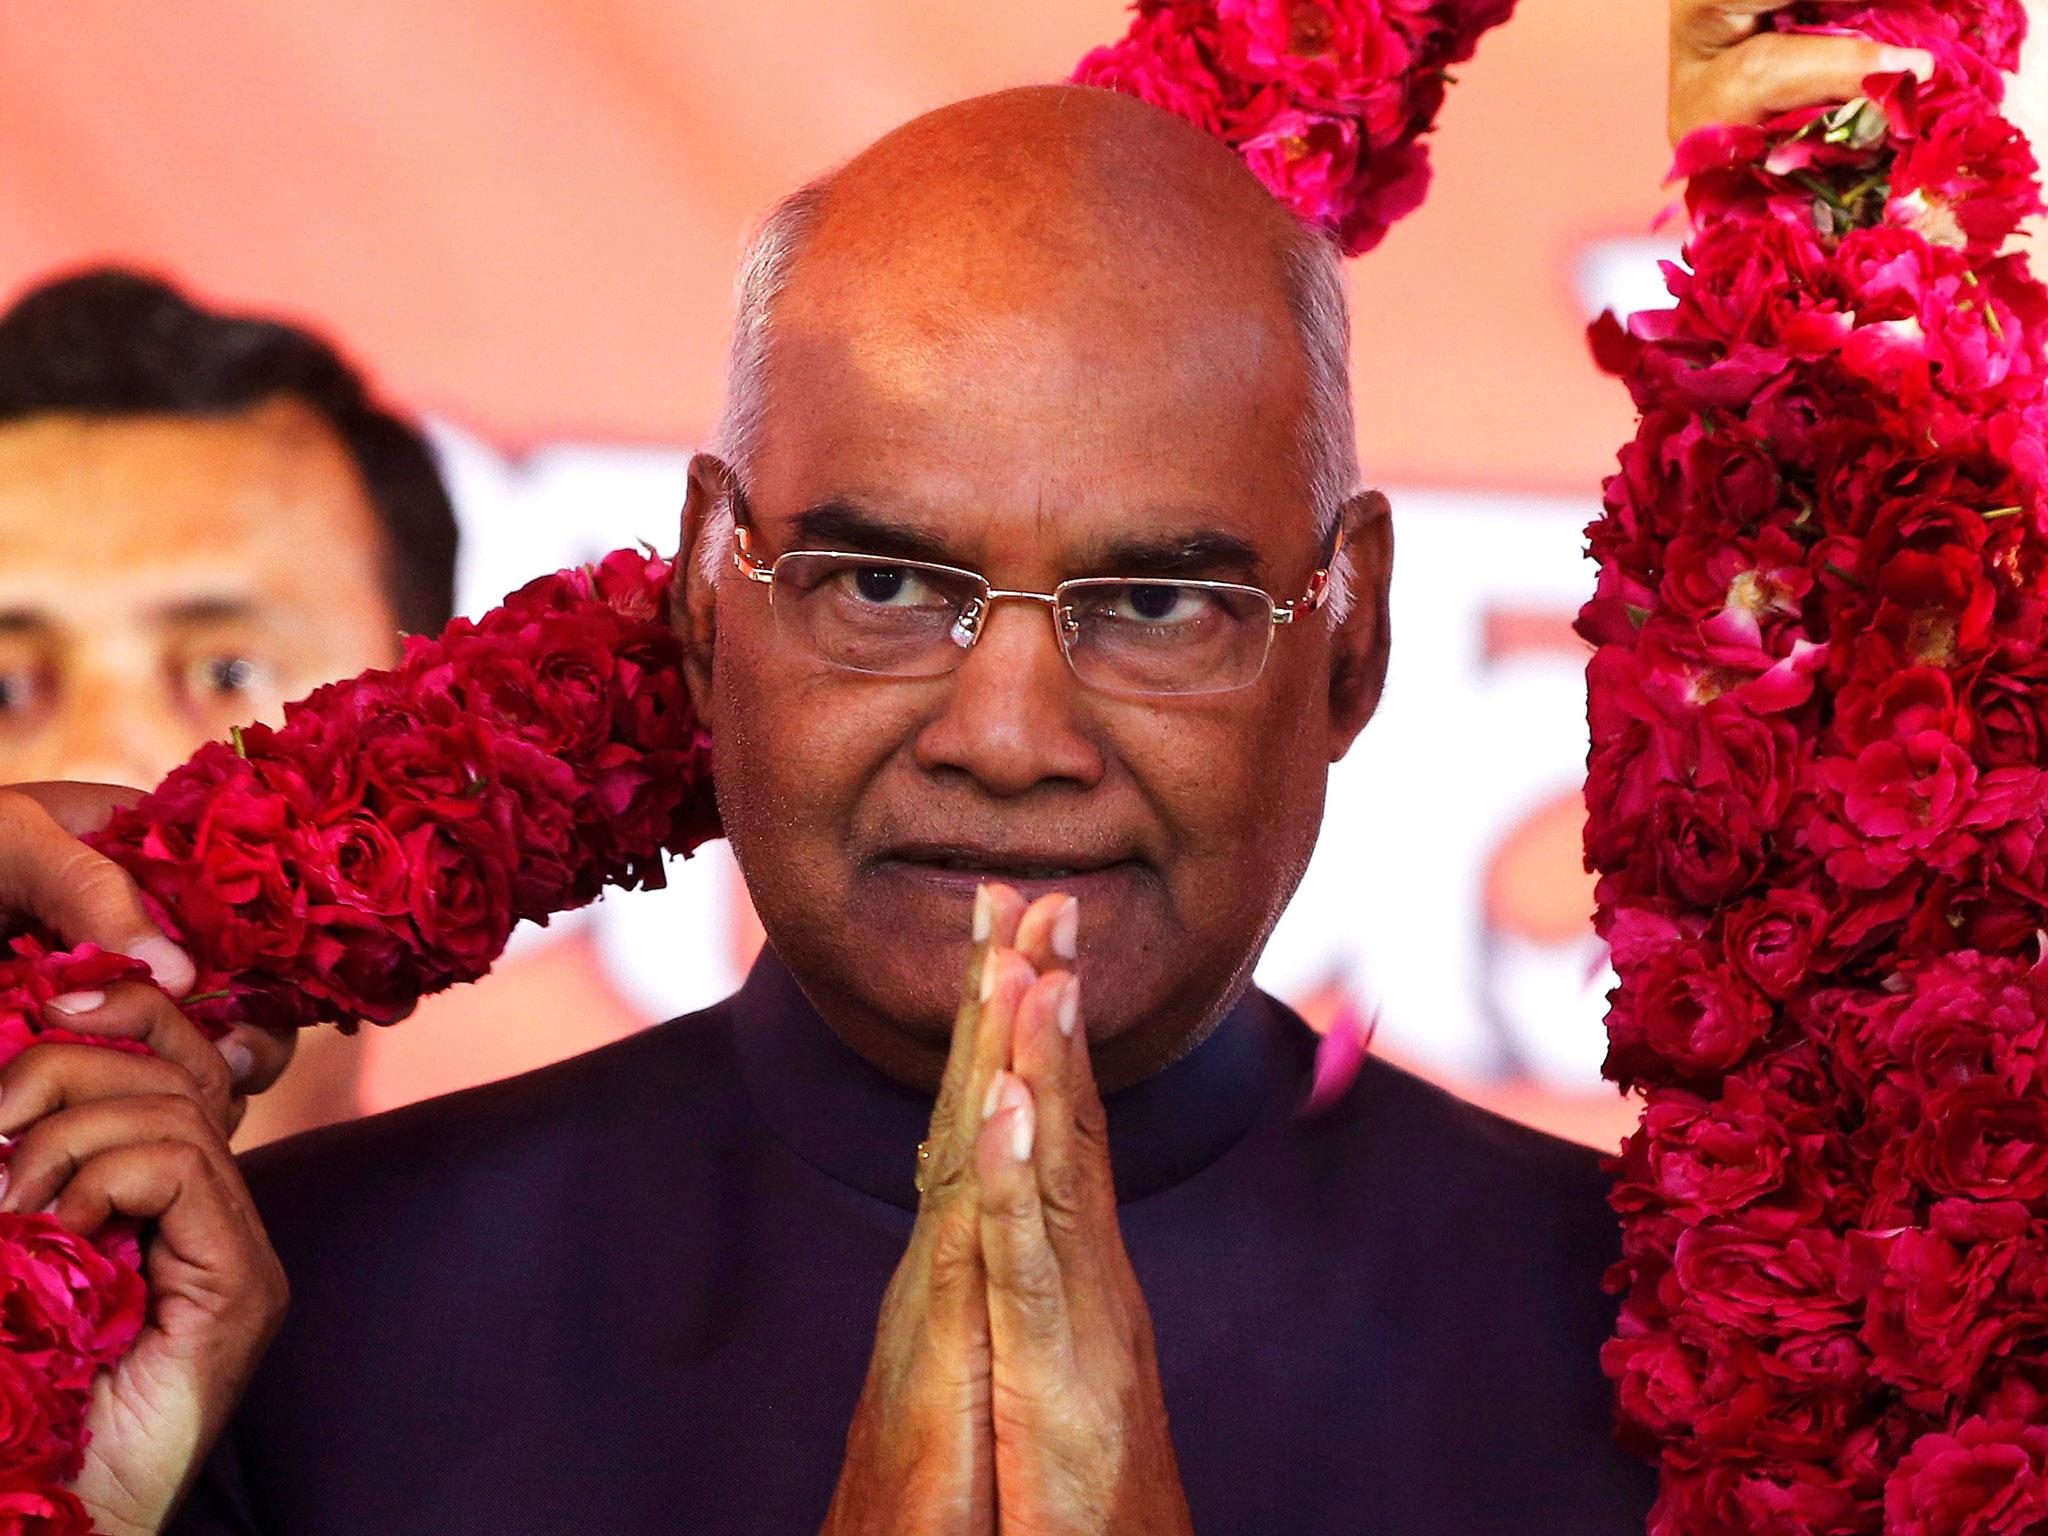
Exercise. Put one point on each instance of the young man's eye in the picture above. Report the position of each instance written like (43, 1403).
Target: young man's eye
(21, 689)
(226, 675)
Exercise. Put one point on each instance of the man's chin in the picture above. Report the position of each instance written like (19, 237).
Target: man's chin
(921, 918)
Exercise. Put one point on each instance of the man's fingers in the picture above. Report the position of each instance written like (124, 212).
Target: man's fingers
(85, 898)
(256, 1057)
(997, 909)
(197, 1203)
(1049, 935)
(46, 1078)
(1004, 979)
(135, 1011)
(1704, 27)
(1075, 1184)
(1030, 1329)
(1775, 72)
(77, 806)
(51, 1152)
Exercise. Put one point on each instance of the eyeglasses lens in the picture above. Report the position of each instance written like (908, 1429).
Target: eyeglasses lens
(1166, 637)
(906, 619)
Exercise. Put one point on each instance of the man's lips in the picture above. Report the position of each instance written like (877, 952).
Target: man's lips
(963, 862)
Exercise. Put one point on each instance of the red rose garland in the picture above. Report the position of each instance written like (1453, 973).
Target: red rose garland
(1819, 812)
(1327, 100)
(375, 848)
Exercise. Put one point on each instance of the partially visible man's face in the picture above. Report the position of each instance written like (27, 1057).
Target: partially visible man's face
(1031, 428)
(163, 578)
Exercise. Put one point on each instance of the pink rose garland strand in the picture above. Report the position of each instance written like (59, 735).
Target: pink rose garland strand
(1326, 100)
(1819, 812)
(377, 847)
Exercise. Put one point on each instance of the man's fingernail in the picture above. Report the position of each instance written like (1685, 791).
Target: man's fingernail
(171, 967)
(1066, 930)
(1917, 62)
(78, 1002)
(992, 1098)
(240, 1059)
(1070, 1006)
(1021, 1130)
(991, 976)
(984, 914)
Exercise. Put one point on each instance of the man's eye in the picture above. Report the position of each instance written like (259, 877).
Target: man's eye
(226, 676)
(889, 586)
(1156, 603)
(19, 691)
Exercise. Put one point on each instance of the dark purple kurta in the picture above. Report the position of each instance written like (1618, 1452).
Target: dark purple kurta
(635, 1292)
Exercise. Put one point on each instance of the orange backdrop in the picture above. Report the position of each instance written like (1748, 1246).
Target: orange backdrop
(525, 213)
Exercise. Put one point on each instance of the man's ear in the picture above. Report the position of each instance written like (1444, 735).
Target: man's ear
(1358, 661)
(706, 541)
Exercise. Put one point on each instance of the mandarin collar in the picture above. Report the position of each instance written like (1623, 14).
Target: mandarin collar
(859, 1126)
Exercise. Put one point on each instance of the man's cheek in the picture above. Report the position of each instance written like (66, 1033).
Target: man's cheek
(805, 757)
(1205, 777)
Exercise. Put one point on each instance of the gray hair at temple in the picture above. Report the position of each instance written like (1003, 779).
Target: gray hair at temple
(1315, 296)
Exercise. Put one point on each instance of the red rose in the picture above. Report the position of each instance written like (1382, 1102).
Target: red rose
(1682, 1012)
(1935, 607)
(1979, 1138)
(1759, 1401)
(1969, 1014)
(356, 862)
(558, 700)
(1985, 1479)
(1761, 1283)
(1750, 1497)
(1699, 1158)
(39, 1425)
(1731, 477)
(1748, 756)
(460, 894)
(444, 772)
(1708, 845)
(1894, 805)
(1657, 1380)
(61, 1292)
(360, 967)
(1772, 939)
(1891, 703)
(2006, 700)
(29, 1509)
(1930, 1320)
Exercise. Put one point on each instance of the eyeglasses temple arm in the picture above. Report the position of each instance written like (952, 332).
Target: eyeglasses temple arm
(744, 559)
(1318, 591)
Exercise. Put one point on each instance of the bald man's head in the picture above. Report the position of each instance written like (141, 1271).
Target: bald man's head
(1068, 211)
(1049, 339)
(1060, 197)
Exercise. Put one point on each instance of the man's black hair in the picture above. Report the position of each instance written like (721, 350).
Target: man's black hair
(113, 342)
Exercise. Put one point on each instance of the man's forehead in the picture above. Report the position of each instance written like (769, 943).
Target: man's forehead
(165, 497)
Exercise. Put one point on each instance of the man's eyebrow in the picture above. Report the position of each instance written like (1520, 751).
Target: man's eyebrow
(204, 610)
(843, 524)
(22, 621)
(1208, 552)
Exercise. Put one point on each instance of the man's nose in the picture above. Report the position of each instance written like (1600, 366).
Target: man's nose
(116, 731)
(1015, 717)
